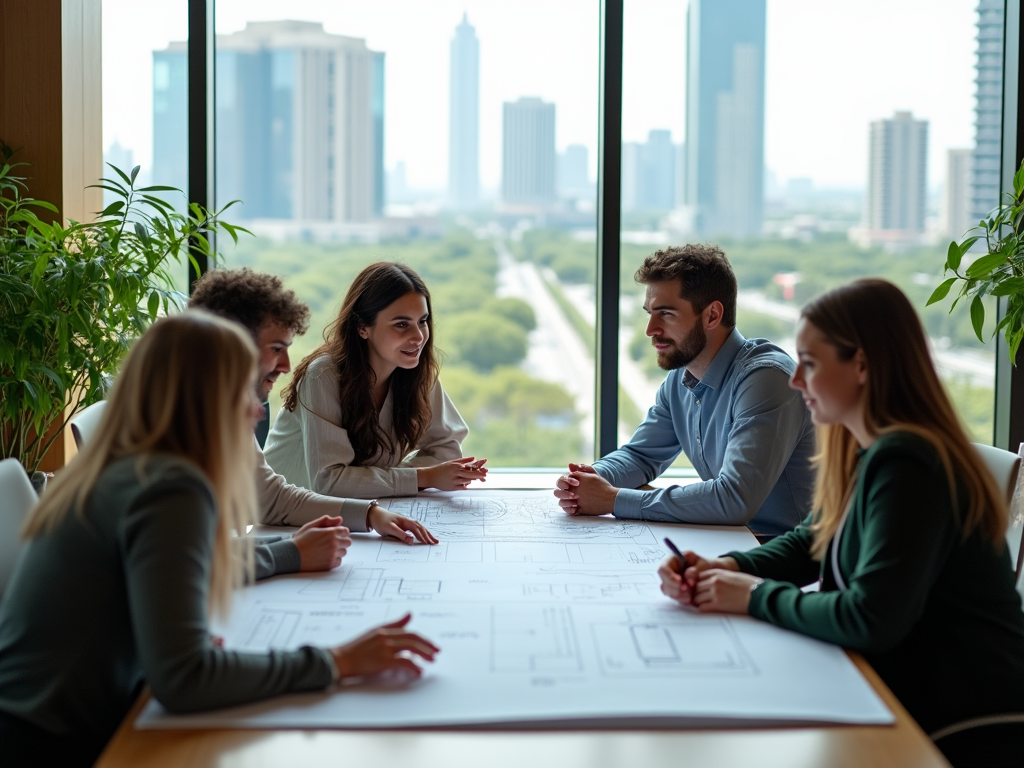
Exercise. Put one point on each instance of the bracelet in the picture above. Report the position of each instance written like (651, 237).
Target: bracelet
(368, 510)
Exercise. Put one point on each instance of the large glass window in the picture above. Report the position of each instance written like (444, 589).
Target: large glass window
(812, 158)
(145, 94)
(458, 138)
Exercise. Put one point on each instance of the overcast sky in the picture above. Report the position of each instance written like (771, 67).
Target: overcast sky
(831, 68)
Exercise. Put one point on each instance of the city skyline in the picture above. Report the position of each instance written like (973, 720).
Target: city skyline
(920, 63)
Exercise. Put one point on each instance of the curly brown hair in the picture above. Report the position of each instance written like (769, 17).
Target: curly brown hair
(704, 273)
(250, 298)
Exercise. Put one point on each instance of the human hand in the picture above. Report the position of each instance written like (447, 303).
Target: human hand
(454, 475)
(588, 493)
(385, 648)
(678, 580)
(322, 543)
(397, 526)
(565, 487)
(720, 591)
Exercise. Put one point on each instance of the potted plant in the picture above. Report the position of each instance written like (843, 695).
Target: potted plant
(999, 272)
(73, 298)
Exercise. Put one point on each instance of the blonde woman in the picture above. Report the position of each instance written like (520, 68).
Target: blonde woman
(906, 540)
(131, 549)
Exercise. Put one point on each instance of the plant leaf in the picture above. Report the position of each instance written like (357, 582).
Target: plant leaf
(985, 264)
(978, 317)
(942, 290)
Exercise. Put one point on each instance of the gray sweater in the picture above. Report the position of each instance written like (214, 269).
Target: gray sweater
(118, 596)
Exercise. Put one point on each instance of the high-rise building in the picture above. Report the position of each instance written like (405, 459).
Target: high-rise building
(988, 111)
(300, 122)
(656, 185)
(528, 153)
(630, 164)
(464, 116)
(725, 116)
(574, 172)
(957, 213)
(897, 180)
(170, 117)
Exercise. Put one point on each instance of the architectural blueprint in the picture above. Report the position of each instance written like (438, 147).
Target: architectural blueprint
(543, 620)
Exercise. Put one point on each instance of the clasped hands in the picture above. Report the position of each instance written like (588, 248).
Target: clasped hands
(584, 492)
(323, 542)
(710, 585)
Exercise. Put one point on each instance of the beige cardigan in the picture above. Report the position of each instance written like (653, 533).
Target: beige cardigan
(311, 448)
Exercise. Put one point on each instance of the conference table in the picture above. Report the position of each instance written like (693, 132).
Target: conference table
(900, 745)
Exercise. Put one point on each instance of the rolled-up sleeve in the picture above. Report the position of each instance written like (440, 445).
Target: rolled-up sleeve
(767, 424)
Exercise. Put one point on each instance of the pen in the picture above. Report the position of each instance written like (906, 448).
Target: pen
(675, 551)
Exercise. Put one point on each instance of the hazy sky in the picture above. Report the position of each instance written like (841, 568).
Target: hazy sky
(831, 68)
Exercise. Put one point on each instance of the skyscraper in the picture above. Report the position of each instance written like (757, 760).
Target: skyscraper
(656, 182)
(464, 116)
(300, 122)
(574, 172)
(988, 112)
(528, 153)
(170, 117)
(725, 116)
(897, 180)
(957, 215)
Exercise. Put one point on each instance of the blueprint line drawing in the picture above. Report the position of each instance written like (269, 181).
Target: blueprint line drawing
(271, 629)
(709, 648)
(532, 639)
(521, 518)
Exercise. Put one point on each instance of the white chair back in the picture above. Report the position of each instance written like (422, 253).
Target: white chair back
(18, 499)
(84, 424)
(1005, 467)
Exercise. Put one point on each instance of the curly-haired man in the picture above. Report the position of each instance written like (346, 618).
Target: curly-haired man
(274, 315)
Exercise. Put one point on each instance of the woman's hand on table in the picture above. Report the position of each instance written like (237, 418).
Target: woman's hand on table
(679, 581)
(395, 526)
(454, 475)
(322, 543)
(388, 647)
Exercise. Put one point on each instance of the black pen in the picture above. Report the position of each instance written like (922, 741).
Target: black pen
(675, 551)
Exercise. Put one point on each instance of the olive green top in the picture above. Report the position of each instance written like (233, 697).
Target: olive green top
(117, 596)
(936, 615)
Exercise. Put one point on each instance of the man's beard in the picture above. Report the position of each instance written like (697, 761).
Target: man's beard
(682, 354)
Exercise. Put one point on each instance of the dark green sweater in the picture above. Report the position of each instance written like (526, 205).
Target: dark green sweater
(937, 616)
(118, 596)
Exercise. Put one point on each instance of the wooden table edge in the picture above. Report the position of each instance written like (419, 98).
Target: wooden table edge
(127, 745)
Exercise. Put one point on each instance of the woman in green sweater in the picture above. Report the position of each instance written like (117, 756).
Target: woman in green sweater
(131, 549)
(907, 540)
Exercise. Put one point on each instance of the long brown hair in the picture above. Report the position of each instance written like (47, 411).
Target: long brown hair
(374, 289)
(903, 394)
(183, 391)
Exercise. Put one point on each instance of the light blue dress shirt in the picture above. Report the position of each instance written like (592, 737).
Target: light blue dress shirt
(748, 435)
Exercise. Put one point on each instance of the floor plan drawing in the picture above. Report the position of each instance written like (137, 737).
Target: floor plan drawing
(541, 618)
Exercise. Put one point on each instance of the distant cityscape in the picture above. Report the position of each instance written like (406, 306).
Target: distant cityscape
(300, 127)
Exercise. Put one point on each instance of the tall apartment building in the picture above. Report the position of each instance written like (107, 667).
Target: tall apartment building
(170, 117)
(988, 111)
(649, 176)
(528, 153)
(464, 117)
(895, 209)
(299, 122)
(574, 172)
(957, 213)
(725, 116)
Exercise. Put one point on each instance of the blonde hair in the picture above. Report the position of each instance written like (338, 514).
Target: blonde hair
(903, 394)
(181, 391)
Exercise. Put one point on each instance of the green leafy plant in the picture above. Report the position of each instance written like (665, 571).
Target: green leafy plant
(1000, 272)
(73, 298)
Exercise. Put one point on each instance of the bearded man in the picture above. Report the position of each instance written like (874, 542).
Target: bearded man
(726, 404)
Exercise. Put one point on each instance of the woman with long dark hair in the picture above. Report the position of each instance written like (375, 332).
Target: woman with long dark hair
(132, 548)
(365, 414)
(907, 536)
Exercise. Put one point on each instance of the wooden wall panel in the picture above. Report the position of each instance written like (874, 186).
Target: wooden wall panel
(51, 110)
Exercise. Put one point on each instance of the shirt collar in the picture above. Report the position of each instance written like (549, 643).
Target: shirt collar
(723, 360)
